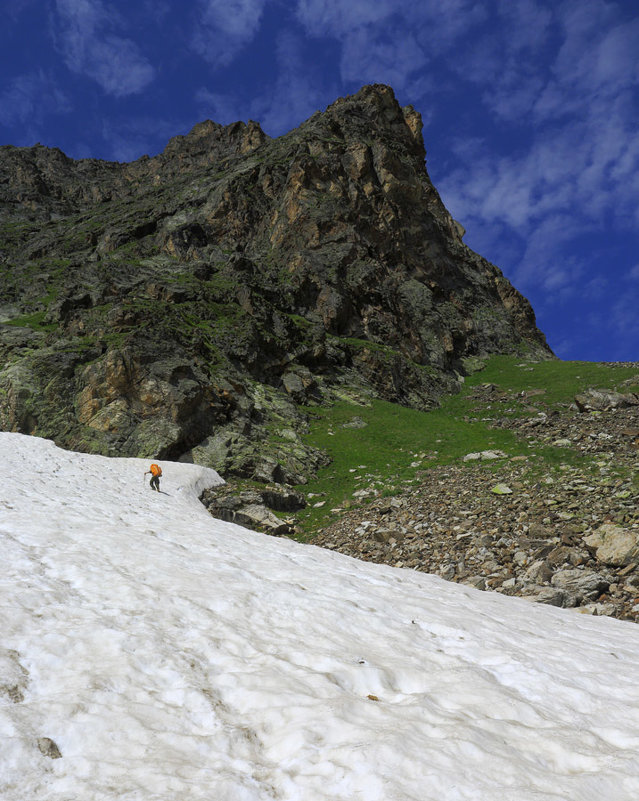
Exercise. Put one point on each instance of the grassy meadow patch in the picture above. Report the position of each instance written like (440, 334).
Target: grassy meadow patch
(386, 447)
(560, 380)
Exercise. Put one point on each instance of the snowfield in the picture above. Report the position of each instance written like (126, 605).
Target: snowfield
(150, 652)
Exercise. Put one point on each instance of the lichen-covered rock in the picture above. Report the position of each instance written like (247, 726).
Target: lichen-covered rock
(614, 545)
(601, 400)
(253, 508)
(580, 585)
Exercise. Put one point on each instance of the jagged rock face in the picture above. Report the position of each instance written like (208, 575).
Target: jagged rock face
(206, 293)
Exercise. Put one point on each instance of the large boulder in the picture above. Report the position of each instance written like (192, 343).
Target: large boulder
(602, 400)
(580, 585)
(614, 545)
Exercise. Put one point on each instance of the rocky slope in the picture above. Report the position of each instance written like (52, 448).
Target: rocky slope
(189, 305)
(568, 537)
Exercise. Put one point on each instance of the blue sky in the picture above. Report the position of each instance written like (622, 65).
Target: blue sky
(530, 109)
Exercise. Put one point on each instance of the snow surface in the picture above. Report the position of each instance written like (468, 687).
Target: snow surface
(173, 657)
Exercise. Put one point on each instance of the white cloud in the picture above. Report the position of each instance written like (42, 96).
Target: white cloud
(527, 23)
(224, 27)
(84, 35)
(543, 262)
(507, 60)
(582, 167)
(26, 99)
(118, 67)
(633, 273)
(561, 187)
(564, 89)
(389, 40)
(432, 19)
(441, 26)
(390, 56)
(616, 57)
(337, 18)
(157, 10)
(594, 67)
(584, 24)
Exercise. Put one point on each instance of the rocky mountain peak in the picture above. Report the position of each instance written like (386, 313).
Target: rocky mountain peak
(212, 141)
(179, 305)
(377, 108)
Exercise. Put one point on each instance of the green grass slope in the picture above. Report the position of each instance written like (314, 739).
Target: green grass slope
(387, 447)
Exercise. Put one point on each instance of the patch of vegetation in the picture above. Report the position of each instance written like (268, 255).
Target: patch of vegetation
(34, 321)
(131, 252)
(15, 232)
(560, 380)
(396, 444)
(300, 322)
(220, 286)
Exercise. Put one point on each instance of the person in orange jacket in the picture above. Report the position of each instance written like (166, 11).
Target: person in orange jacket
(156, 472)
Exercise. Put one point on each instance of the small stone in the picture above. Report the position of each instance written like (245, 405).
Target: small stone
(48, 748)
(355, 422)
(485, 456)
(599, 609)
(539, 572)
(447, 572)
(550, 596)
(501, 489)
(478, 582)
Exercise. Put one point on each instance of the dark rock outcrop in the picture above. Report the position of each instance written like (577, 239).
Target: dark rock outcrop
(188, 305)
(254, 508)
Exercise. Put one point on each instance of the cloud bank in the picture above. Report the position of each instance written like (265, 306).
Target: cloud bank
(87, 37)
(28, 99)
(223, 28)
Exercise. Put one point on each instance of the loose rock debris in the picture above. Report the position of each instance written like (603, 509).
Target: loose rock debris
(570, 538)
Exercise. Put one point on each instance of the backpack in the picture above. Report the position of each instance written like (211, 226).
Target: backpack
(156, 470)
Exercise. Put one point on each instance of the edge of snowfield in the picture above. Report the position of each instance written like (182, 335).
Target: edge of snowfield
(171, 656)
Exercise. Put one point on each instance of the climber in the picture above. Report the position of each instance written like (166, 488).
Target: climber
(156, 472)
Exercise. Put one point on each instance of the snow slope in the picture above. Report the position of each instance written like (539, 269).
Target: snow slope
(170, 656)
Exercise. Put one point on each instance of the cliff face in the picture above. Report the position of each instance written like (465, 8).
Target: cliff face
(186, 305)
